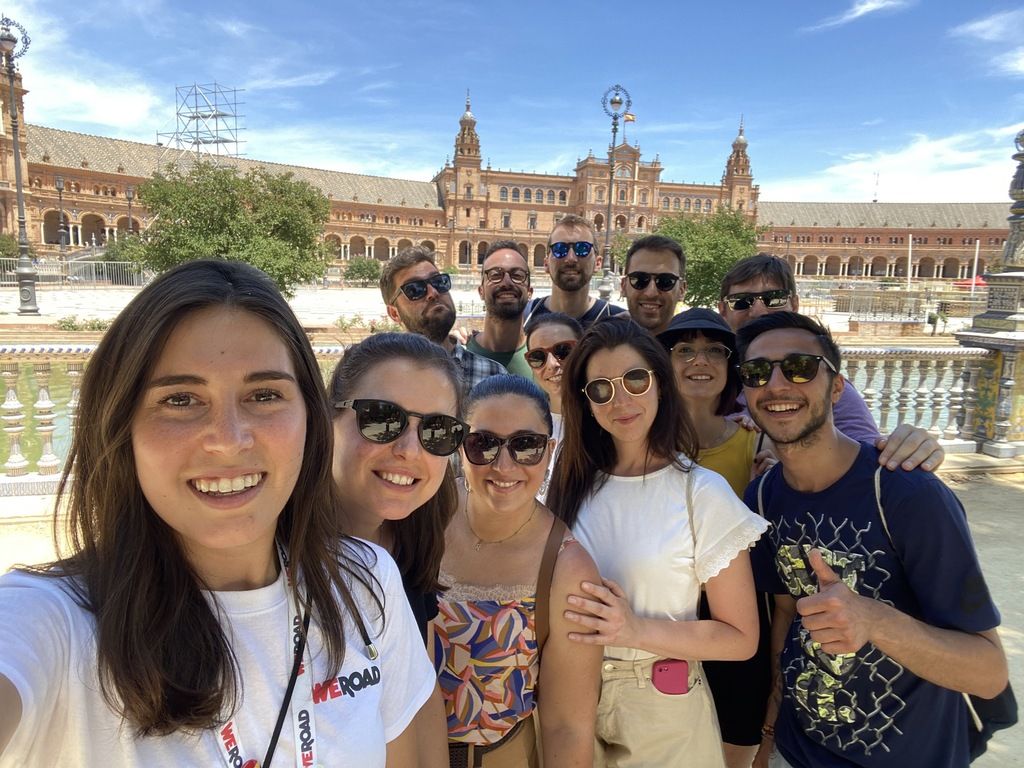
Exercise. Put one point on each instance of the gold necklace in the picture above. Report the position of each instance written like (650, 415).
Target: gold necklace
(480, 542)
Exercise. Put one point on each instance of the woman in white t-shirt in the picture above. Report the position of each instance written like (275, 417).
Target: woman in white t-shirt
(658, 527)
(207, 611)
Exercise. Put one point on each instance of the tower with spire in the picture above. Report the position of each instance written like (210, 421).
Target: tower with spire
(467, 143)
(738, 189)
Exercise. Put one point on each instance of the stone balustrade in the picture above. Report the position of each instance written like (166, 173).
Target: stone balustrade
(934, 387)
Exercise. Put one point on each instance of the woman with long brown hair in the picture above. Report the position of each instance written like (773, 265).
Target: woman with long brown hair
(207, 611)
(659, 527)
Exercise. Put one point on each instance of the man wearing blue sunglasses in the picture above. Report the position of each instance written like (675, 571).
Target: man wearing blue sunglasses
(417, 295)
(571, 260)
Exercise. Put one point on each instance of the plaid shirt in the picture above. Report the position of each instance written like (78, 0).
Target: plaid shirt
(475, 368)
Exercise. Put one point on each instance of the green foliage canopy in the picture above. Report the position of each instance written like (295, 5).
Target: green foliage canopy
(362, 270)
(268, 220)
(713, 243)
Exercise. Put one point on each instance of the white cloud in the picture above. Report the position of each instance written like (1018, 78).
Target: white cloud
(236, 27)
(965, 167)
(395, 154)
(859, 9)
(988, 32)
(294, 81)
(999, 27)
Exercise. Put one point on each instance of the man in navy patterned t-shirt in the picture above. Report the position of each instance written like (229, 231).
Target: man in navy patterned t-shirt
(882, 613)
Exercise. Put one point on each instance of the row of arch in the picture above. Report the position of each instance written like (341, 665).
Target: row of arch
(527, 195)
(91, 228)
(382, 249)
(882, 266)
(703, 205)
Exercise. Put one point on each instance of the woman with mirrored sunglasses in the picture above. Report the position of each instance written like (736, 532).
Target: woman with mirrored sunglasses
(659, 528)
(500, 639)
(397, 402)
(550, 340)
(702, 347)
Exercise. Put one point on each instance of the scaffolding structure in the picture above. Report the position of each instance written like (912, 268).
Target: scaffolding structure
(207, 124)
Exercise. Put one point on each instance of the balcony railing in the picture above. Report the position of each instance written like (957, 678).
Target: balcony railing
(932, 387)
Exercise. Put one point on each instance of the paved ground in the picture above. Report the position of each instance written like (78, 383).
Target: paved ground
(994, 505)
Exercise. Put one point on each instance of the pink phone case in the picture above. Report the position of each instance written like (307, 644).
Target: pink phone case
(671, 676)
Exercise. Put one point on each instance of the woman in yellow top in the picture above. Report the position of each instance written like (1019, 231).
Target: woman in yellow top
(703, 348)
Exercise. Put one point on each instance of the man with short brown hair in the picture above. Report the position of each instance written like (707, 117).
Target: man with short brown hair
(417, 296)
(571, 260)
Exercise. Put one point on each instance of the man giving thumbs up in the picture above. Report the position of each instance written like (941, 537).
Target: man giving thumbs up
(876, 631)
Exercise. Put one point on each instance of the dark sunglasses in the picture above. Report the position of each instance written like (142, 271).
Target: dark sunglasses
(663, 281)
(797, 368)
(415, 290)
(636, 382)
(739, 302)
(381, 421)
(495, 275)
(582, 249)
(526, 448)
(538, 356)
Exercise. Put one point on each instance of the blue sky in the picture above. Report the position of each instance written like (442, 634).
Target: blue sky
(927, 94)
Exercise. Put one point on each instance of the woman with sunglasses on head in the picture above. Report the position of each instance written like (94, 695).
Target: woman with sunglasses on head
(702, 346)
(500, 641)
(550, 339)
(397, 400)
(659, 527)
(207, 592)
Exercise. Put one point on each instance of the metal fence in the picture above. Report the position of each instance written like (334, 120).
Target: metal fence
(78, 274)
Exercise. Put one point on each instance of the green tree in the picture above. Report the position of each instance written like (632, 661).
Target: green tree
(713, 243)
(9, 247)
(363, 270)
(268, 220)
(621, 243)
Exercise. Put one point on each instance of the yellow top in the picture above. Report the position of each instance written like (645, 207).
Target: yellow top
(732, 459)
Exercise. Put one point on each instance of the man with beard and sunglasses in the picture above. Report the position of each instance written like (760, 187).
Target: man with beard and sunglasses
(762, 284)
(653, 281)
(418, 296)
(505, 290)
(882, 614)
(571, 260)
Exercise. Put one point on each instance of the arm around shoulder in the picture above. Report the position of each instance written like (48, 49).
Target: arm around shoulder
(570, 673)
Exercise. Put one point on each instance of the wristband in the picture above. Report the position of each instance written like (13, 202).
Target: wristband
(768, 731)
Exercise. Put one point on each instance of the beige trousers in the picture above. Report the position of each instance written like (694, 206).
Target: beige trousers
(640, 727)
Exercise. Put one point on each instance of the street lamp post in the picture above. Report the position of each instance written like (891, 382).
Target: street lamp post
(130, 195)
(12, 48)
(616, 103)
(58, 182)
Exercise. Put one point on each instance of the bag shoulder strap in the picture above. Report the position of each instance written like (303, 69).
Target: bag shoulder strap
(972, 713)
(689, 506)
(544, 576)
(760, 491)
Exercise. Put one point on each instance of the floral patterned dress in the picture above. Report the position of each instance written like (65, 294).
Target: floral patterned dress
(484, 648)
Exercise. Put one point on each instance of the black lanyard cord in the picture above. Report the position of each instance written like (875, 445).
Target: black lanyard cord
(296, 663)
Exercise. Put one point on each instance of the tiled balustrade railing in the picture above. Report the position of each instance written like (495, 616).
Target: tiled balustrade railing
(936, 388)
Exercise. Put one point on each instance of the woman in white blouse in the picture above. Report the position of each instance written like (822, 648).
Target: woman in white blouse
(658, 527)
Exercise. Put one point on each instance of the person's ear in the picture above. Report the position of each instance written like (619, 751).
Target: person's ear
(393, 314)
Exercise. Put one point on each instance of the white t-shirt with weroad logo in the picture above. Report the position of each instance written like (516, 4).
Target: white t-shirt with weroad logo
(48, 651)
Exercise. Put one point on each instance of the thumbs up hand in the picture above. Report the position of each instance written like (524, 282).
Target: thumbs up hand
(837, 618)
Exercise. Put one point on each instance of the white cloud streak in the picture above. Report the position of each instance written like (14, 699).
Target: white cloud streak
(989, 32)
(965, 167)
(858, 10)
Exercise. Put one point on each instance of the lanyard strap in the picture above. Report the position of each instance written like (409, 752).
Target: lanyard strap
(229, 741)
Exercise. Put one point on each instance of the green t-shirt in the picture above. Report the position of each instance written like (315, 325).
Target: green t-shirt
(514, 362)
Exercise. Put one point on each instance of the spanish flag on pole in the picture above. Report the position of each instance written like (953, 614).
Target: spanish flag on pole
(628, 117)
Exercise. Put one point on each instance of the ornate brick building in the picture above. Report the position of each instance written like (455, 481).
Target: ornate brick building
(467, 206)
